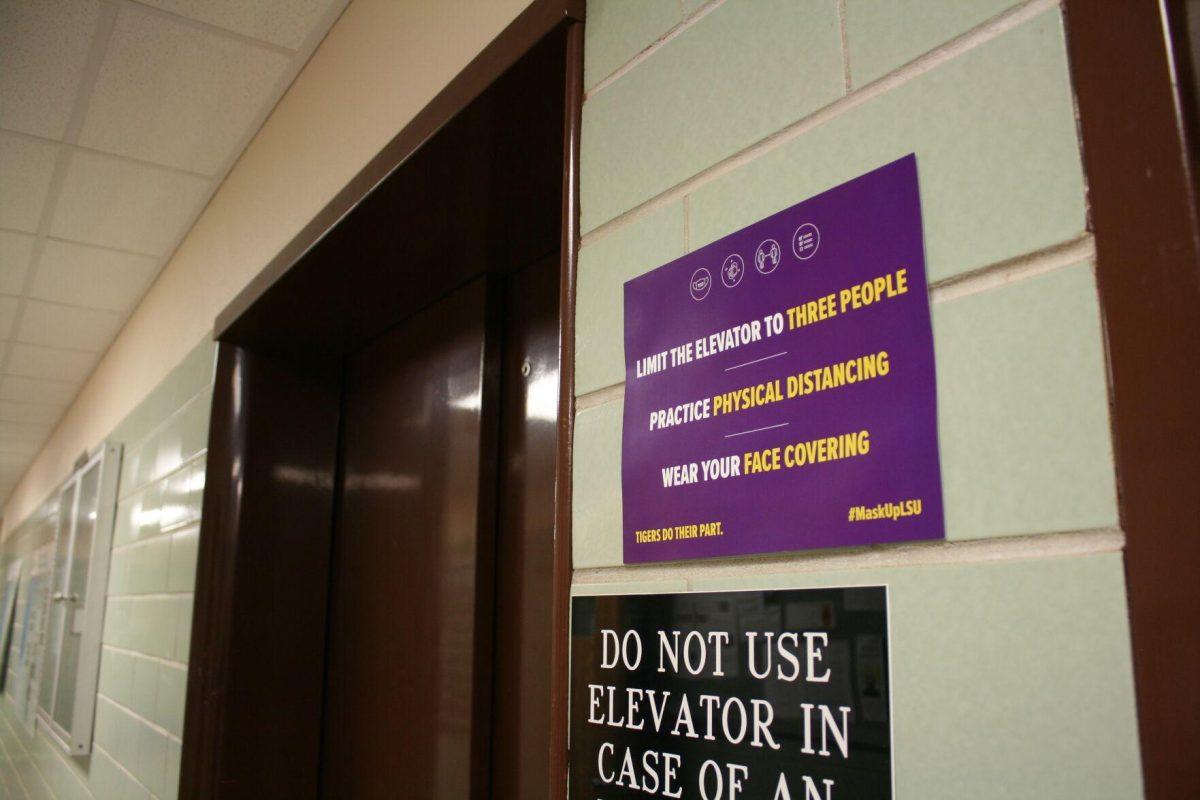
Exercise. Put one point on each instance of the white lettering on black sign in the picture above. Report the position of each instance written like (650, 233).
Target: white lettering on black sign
(731, 696)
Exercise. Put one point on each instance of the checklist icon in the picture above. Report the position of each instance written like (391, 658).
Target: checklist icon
(805, 241)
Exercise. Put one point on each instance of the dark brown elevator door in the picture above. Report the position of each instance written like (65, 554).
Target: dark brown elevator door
(408, 662)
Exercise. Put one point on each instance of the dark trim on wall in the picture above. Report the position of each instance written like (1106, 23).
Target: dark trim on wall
(1142, 207)
(560, 669)
(1182, 21)
(260, 549)
(518, 38)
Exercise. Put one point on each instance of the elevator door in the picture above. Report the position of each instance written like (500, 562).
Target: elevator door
(408, 671)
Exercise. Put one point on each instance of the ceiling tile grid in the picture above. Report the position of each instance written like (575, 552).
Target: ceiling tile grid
(177, 94)
(26, 165)
(43, 51)
(16, 251)
(118, 120)
(117, 203)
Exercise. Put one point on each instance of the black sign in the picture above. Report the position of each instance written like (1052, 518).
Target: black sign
(780, 695)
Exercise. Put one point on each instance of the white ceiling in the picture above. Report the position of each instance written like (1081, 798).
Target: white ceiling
(118, 120)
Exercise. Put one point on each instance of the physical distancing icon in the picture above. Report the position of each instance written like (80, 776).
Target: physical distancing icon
(767, 256)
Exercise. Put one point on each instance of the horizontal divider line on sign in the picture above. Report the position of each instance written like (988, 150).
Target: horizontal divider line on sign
(992, 276)
(973, 551)
(978, 35)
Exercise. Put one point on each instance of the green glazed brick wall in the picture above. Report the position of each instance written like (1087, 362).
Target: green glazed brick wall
(994, 134)
(1024, 441)
(1009, 679)
(885, 34)
(147, 624)
(1011, 650)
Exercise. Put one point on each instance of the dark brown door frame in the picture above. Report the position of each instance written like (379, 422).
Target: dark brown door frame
(560, 669)
(533, 24)
(264, 394)
(1142, 212)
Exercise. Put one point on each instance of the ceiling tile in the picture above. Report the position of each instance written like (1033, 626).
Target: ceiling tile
(30, 361)
(43, 48)
(26, 166)
(11, 474)
(67, 326)
(117, 203)
(15, 251)
(33, 390)
(283, 22)
(29, 412)
(174, 94)
(8, 315)
(17, 456)
(18, 459)
(23, 432)
(90, 276)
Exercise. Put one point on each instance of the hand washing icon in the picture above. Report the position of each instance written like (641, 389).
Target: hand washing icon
(732, 270)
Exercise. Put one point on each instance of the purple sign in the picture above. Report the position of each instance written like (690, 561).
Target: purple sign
(779, 384)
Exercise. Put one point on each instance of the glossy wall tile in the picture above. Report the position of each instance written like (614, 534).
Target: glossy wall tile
(147, 628)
